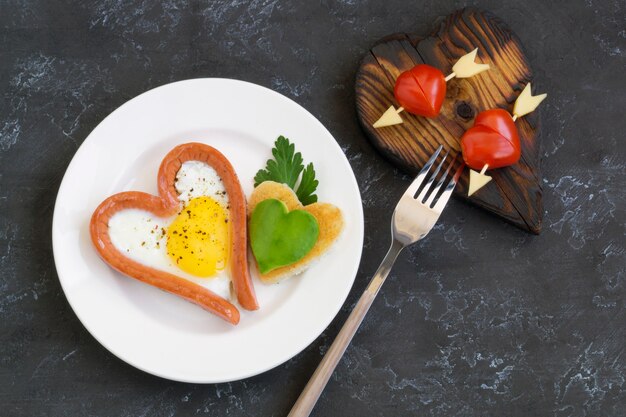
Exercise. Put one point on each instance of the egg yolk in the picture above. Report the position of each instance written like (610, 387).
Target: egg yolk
(198, 240)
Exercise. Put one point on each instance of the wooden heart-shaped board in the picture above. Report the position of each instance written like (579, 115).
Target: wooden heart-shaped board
(515, 191)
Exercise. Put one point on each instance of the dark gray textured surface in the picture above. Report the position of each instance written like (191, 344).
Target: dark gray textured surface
(481, 319)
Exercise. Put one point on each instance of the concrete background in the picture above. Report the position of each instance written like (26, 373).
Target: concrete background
(480, 319)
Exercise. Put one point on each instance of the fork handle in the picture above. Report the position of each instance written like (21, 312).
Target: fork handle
(315, 386)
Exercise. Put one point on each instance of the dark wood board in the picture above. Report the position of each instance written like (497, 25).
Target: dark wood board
(515, 192)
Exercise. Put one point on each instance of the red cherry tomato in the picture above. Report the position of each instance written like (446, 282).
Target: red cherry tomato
(493, 141)
(421, 90)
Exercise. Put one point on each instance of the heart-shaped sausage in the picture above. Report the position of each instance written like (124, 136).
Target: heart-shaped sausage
(279, 237)
(493, 141)
(421, 90)
(167, 204)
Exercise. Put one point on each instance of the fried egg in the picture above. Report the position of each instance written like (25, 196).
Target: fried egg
(195, 243)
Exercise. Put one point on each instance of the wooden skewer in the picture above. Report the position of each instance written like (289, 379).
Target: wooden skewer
(463, 68)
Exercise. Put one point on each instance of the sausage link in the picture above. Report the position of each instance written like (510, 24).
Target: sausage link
(167, 204)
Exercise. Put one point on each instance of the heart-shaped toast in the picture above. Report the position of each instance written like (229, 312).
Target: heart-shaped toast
(515, 192)
(168, 204)
(493, 134)
(329, 220)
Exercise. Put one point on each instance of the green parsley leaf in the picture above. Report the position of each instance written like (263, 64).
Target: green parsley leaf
(308, 185)
(286, 168)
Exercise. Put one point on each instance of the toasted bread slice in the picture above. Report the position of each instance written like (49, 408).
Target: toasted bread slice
(329, 219)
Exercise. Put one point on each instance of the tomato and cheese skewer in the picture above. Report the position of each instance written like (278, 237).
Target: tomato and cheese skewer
(422, 89)
(493, 141)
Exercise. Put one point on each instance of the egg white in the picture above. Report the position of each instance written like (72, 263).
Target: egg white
(198, 179)
(142, 236)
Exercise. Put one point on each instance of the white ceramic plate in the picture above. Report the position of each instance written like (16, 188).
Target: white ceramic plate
(158, 332)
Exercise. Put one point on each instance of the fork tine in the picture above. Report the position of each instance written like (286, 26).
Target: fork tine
(445, 196)
(415, 185)
(443, 179)
(424, 191)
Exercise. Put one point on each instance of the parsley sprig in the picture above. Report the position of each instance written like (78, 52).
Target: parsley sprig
(286, 168)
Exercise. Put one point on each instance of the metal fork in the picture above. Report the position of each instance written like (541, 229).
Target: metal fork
(412, 219)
